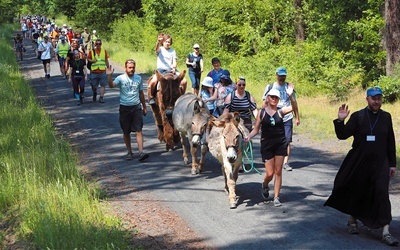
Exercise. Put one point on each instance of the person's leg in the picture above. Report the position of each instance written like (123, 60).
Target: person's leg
(278, 162)
(288, 125)
(192, 77)
(45, 67)
(139, 139)
(150, 89)
(127, 141)
(103, 82)
(94, 83)
(48, 69)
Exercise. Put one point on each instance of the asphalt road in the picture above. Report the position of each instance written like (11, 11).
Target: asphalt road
(302, 222)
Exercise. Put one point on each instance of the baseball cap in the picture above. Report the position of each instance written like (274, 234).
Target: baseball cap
(207, 82)
(281, 71)
(373, 91)
(226, 77)
(274, 92)
(196, 46)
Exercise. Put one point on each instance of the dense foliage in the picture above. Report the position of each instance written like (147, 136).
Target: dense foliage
(328, 46)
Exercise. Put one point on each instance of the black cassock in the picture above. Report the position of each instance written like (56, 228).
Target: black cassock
(361, 186)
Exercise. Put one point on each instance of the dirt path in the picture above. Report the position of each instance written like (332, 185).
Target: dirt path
(165, 208)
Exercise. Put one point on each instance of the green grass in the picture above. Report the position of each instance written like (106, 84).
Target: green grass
(44, 200)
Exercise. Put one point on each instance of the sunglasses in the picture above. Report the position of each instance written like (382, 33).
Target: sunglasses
(98, 43)
(272, 121)
(242, 85)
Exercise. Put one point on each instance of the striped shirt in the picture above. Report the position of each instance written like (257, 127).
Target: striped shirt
(242, 105)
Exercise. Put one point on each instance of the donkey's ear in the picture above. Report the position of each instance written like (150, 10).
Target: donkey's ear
(181, 75)
(158, 75)
(236, 118)
(197, 107)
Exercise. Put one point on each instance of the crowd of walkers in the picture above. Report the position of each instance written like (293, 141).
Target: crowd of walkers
(79, 52)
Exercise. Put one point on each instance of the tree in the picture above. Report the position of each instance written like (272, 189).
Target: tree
(392, 34)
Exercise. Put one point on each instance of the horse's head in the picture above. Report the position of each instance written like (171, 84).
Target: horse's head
(199, 122)
(231, 135)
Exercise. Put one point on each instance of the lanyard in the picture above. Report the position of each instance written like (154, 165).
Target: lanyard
(369, 120)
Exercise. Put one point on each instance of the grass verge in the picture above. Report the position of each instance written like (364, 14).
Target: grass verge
(44, 201)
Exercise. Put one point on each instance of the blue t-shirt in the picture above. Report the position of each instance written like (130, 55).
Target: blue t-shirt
(216, 75)
(129, 88)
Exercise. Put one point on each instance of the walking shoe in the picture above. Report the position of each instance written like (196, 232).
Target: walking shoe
(78, 103)
(390, 240)
(352, 227)
(152, 101)
(94, 96)
(129, 156)
(101, 100)
(143, 157)
(287, 167)
(265, 192)
(277, 203)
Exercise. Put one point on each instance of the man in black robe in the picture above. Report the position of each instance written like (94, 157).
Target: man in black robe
(361, 187)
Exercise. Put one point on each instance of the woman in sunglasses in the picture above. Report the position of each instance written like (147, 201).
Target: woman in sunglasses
(273, 141)
(243, 102)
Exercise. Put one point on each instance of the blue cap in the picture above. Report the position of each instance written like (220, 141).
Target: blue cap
(373, 91)
(281, 71)
(226, 77)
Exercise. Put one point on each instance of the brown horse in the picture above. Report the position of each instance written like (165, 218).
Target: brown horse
(168, 91)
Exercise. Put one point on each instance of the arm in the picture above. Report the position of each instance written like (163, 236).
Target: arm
(109, 71)
(254, 111)
(158, 44)
(228, 101)
(293, 101)
(213, 97)
(201, 65)
(143, 101)
(255, 129)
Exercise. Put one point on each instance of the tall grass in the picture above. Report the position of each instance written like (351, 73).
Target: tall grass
(43, 198)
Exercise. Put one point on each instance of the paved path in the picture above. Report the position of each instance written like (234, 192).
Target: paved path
(302, 222)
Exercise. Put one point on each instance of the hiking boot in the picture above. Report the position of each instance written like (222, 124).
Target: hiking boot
(94, 96)
(277, 203)
(152, 101)
(101, 100)
(390, 240)
(143, 157)
(265, 192)
(287, 167)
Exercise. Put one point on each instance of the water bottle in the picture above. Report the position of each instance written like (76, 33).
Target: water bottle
(194, 62)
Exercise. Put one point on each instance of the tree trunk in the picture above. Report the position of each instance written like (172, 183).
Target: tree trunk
(299, 23)
(392, 34)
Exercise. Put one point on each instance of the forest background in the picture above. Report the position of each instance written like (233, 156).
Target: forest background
(329, 47)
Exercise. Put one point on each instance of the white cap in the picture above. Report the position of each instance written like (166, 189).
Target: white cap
(94, 31)
(207, 82)
(196, 46)
(64, 25)
(274, 92)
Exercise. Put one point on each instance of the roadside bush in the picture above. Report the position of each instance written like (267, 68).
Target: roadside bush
(390, 85)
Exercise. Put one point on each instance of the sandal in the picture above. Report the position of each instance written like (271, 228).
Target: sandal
(352, 227)
(129, 156)
(390, 240)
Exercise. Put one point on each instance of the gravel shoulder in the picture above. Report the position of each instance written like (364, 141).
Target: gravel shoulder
(164, 207)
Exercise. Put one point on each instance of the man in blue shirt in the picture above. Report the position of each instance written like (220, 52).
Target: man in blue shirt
(132, 105)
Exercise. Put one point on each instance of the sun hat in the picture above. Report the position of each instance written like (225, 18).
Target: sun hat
(207, 82)
(281, 71)
(373, 91)
(274, 92)
(196, 46)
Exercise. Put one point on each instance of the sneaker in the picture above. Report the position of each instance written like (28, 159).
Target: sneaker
(390, 240)
(94, 96)
(101, 100)
(277, 203)
(48, 76)
(78, 103)
(152, 101)
(287, 167)
(129, 156)
(265, 192)
(143, 157)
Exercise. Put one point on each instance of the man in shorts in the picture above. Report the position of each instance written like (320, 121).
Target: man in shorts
(132, 106)
(281, 85)
(99, 59)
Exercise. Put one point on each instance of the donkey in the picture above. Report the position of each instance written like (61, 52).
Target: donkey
(168, 92)
(225, 144)
(190, 118)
